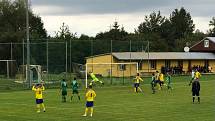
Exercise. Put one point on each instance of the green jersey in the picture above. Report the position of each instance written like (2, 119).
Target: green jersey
(63, 86)
(74, 85)
(168, 79)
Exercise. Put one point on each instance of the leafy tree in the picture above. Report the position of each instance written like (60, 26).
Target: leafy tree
(84, 37)
(115, 33)
(212, 30)
(152, 23)
(64, 33)
(182, 23)
(13, 28)
(13, 22)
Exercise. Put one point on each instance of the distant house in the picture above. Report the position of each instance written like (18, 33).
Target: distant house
(201, 57)
(205, 45)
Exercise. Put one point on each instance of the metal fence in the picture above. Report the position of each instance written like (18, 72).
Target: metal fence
(55, 59)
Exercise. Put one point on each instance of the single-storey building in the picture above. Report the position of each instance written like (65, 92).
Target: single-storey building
(201, 56)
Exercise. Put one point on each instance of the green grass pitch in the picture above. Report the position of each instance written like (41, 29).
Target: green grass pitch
(116, 103)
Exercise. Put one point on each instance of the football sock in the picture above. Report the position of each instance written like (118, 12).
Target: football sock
(199, 99)
(38, 107)
(91, 111)
(86, 110)
(43, 106)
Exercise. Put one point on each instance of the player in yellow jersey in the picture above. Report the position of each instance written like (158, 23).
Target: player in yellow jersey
(137, 83)
(157, 80)
(197, 75)
(161, 79)
(39, 88)
(90, 96)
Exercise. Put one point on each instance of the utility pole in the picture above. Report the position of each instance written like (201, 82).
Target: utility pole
(28, 46)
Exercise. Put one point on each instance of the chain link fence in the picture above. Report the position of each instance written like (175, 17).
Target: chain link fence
(52, 60)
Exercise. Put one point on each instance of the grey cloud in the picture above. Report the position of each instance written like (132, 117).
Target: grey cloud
(100, 6)
(77, 7)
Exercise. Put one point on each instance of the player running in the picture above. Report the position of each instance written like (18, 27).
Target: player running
(39, 88)
(90, 96)
(137, 83)
(63, 90)
(74, 85)
(94, 79)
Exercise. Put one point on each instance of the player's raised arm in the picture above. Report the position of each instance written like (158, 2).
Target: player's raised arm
(33, 88)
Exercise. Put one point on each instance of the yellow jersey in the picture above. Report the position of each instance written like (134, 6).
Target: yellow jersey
(38, 92)
(161, 77)
(197, 75)
(157, 76)
(138, 79)
(90, 95)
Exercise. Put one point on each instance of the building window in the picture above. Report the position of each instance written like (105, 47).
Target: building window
(122, 67)
(206, 43)
(167, 63)
(153, 64)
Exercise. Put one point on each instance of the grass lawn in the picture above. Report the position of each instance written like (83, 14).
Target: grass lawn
(116, 103)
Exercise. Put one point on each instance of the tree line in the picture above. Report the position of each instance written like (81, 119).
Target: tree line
(163, 33)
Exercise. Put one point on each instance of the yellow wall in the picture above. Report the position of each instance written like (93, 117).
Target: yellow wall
(104, 69)
(212, 64)
(197, 62)
(185, 65)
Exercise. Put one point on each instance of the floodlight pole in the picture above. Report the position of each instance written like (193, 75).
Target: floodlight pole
(28, 45)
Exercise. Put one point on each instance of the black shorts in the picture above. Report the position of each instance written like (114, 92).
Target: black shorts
(74, 91)
(161, 82)
(89, 104)
(136, 85)
(157, 81)
(39, 101)
(195, 93)
(64, 93)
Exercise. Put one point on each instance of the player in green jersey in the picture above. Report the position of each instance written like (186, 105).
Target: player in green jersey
(169, 81)
(63, 90)
(74, 85)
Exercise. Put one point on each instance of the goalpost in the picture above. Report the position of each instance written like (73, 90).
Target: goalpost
(111, 70)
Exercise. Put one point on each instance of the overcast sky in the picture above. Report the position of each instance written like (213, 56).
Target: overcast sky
(94, 16)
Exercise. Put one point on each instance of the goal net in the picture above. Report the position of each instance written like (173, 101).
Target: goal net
(111, 72)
